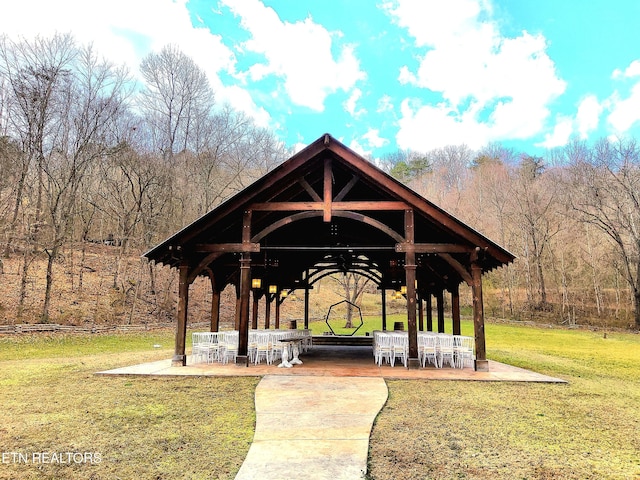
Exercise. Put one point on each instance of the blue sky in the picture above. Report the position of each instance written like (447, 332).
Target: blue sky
(388, 74)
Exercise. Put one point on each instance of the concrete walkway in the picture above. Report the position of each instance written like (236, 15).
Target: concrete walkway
(313, 427)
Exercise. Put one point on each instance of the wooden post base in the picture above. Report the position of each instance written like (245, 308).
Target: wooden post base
(179, 361)
(413, 363)
(242, 361)
(481, 365)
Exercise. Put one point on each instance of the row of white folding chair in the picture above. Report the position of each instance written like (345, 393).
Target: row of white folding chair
(222, 346)
(464, 348)
(438, 348)
(382, 349)
(265, 343)
(389, 346)
(205, 347)
(434, 348)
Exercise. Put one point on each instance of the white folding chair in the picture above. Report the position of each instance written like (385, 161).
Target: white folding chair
(229, 347)
(276, 346)
(399, 347)
(198, 351)
(463, 349)
(428, 349)
(384, 348)
(263, 347)
(445, 349)
(211, 346)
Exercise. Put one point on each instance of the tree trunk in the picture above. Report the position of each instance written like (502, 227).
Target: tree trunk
(52, 254)
(23, 281)
(636, 297)
(347, 295)
(636, 294)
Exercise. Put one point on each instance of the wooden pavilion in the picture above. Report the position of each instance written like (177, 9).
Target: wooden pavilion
(327, 210)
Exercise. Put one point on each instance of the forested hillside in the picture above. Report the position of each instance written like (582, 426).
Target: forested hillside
(96, 168)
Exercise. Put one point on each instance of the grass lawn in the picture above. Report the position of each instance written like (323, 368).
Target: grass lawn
(174, 428)
(141, 427)
(588, 429)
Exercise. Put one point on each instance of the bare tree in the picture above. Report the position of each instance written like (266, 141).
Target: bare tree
(353, 286)
(92, 98)
(605, 192)
(34, 74)
(176, 99)
(535, 214)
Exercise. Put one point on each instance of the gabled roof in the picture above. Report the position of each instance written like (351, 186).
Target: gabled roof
(328, 205)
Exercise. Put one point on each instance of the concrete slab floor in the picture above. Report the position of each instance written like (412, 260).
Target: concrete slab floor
(338, 361)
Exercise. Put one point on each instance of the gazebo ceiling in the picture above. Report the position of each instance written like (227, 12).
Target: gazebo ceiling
(327, 209)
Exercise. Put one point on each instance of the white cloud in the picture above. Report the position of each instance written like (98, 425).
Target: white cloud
(385, 104)
(359, 149)
(427, 127)
(125, 31)
(431, 22)
(625, 112)
(588, 116)
(240, 100)
(560, 135)
(122, 30)
(299, 52)
(493, 87)
(406, 77)
(351, 104)
(633, 70)
(374, 139)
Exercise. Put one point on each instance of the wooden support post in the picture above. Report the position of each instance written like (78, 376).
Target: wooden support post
(306, 301)
(384, 309)
(420, 314)
(180, 358)
(267, 311)
(306, 308)
(254, 310)
(440, 310)
(455, 309)
(429, 309)
(215, 311)
(481, 364)
(245, 288)
(243, 327)
(278, 302)
(410, 279)
(237, 319)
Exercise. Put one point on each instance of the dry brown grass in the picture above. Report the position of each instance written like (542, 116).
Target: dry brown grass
(587, 429)
(169, 428)
(142, 427)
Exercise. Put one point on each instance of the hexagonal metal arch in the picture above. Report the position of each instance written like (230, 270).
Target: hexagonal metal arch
(326, 320)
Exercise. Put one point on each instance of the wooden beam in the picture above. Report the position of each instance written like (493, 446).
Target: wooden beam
(347, 188)
(320, 206)
(345, 214)
(247, 247)
(327, 191)
(433, 248)
(309, 189)
(458, 267)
